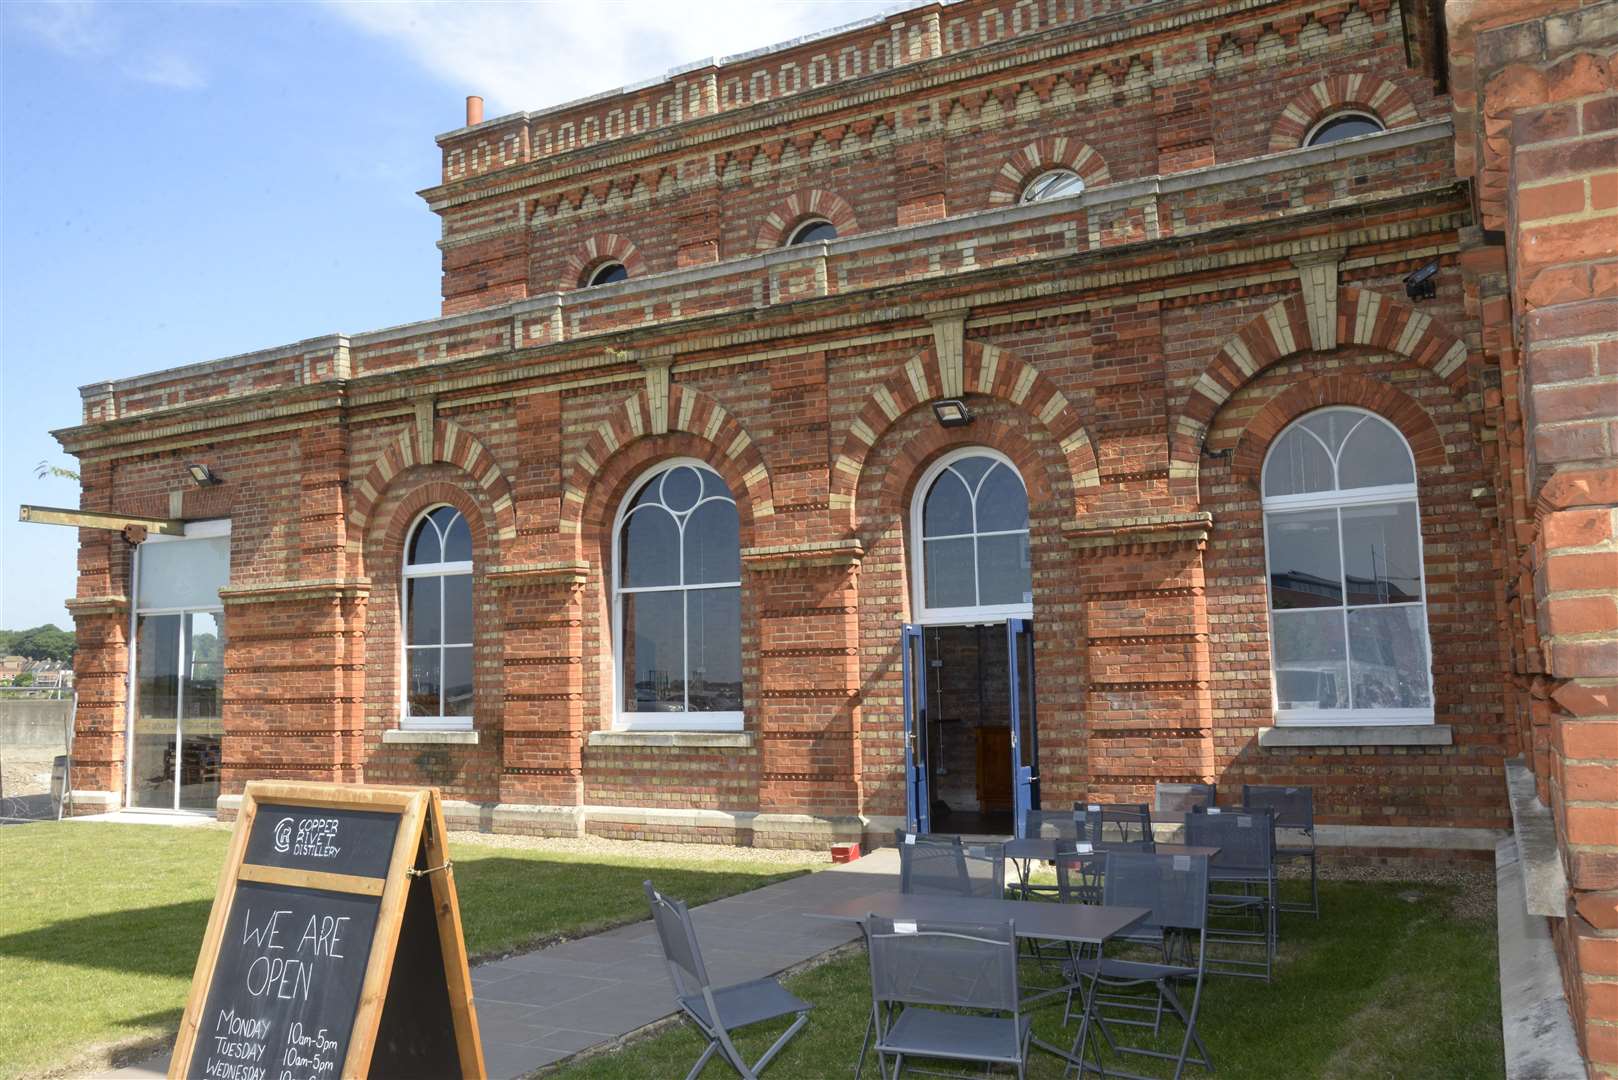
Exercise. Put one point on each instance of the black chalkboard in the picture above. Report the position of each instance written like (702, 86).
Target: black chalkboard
(287, 984)
(416, 1037)
(332, 841)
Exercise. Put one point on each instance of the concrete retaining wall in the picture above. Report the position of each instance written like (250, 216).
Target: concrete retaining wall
(42, 722)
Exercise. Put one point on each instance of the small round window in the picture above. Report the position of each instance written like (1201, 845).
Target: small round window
(1056, 184)
(1343, 126)
(607, 273)
(814, 231)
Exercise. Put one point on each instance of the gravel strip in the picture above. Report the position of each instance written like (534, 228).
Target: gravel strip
(647, 849)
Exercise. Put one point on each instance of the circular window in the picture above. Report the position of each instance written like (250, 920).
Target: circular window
(812, 231)
(1056, 184)
(1343, 126)
(607, 273)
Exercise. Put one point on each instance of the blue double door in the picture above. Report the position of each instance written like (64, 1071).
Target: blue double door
(1012, 689)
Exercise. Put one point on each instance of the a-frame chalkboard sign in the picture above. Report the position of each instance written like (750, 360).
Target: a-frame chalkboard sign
(334, 948)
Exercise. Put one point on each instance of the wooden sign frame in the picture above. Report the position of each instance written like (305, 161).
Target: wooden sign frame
(420, 838)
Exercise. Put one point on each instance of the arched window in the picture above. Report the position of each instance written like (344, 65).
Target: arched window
(970, 521)
(813, 231)
(438, 622)
(677, 602)
(1343, 125)
(1055, 184)
(607, 273)
(1347, 596)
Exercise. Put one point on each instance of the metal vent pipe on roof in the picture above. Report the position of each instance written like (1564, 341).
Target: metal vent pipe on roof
(474, 110)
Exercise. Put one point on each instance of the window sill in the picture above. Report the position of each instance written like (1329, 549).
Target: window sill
(422, 737)
(728, 740)
(1356, 735)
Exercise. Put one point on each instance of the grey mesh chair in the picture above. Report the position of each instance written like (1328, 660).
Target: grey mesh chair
(1294, 809)
(1058, 825)
(717, 1011)
(920, 968)
(944, 866)
(1180, 798)
(1246, 860)
(1124, 827)
(1174, 889)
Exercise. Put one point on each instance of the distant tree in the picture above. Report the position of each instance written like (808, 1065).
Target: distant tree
(8, 641)
(25, 679)
(47, 642)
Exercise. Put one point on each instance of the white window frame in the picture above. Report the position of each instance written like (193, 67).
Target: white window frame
(1339, 499)
(624, 720)
(1029, 196)
(921, 613)
(407, 574)
(195, 530)
(803, 227)
(1344, 114)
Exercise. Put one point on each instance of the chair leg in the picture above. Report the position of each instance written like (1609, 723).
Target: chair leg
(870, 1026)
(758, 1066)
(702, 1062)
(1314, 883)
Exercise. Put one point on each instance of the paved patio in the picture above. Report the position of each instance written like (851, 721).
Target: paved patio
(540, 1007)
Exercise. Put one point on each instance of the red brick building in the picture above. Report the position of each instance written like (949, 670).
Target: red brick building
(1217, 391)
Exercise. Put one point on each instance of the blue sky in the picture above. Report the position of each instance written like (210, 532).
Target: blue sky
(186, 181)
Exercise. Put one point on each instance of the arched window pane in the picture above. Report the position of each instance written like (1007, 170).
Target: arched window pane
(424, 546)
(423, 610)
(1387, 649)
(713, 544)
(1344, 127)
(458, 541)
(680, 489)
(1003, 571)
(1002, 502)
(1373, 455)
(1311, 660)
(609, 273)
(1333, 426)
(947, 510)
(458, 609)
(948, 572)
(650, 549)
(1304, 567)
(714, 638)
(1382, 553)
(654, 651)
(1053, 185)
(1296, 464)
(814, 232)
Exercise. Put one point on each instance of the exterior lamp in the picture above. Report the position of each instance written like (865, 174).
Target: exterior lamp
(201, 475)
(952, 412)
(1420, 285)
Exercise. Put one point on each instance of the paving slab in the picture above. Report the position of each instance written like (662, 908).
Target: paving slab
(545, 1006)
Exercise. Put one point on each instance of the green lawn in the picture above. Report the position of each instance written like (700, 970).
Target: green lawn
(100, 924)
(1379, 987)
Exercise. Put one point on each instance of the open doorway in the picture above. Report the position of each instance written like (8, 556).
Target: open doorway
(971, 733)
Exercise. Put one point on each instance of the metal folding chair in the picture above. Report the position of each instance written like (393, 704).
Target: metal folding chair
(1058, 825)
(717, 1011)
(1246, 859)
(1294, 809)
(945, 866)
(1124, 827)
(1174, 888)
(1180, 798)
(920, 968)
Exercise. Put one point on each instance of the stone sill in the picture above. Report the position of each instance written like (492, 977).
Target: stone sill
(1544, 879)
(1356, 735)
(728, 740)
(400, 737)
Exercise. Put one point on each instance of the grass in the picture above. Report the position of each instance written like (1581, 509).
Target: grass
(100, 924)
(1380, 987)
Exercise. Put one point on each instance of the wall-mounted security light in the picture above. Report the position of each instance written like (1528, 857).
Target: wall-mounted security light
(201, 475)
(952, 412)
(1423, 284)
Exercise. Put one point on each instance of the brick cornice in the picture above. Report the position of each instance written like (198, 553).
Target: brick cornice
(272, 592)
(569, 574)
(1126, 530)
(843, 555)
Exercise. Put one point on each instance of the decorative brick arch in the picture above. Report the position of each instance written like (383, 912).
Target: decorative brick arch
(897, 485)
(985, 370)
(696, 426)
(1395, 406)
(813, 203)
(600, 248)
(1359, 92)
(453, 445)
(1365, 318)
(1052, 152)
